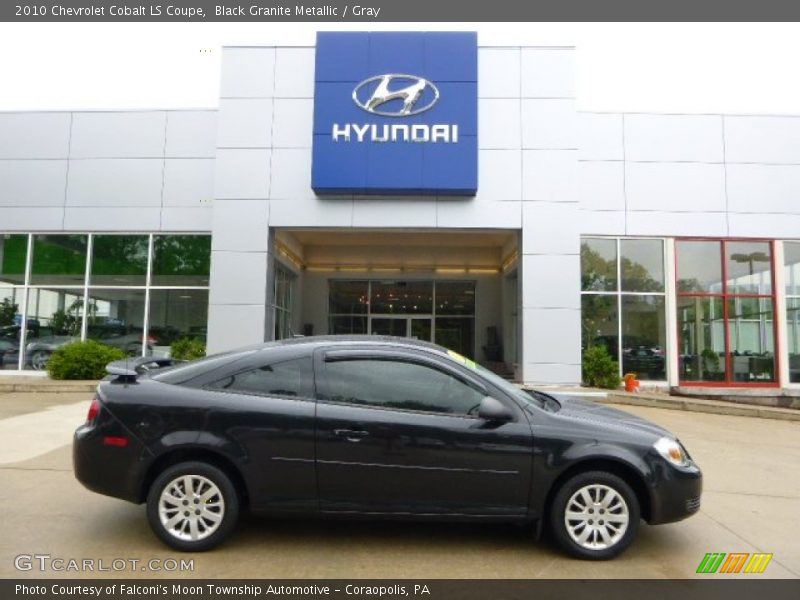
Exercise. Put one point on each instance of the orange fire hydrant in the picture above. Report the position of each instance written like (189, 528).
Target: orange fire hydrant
(631, 383)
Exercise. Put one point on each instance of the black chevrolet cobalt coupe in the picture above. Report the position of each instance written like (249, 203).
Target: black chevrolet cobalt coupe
(373, 427)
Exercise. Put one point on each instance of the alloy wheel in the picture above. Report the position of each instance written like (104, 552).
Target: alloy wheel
(39, 360)
(596, 517)
(191, 507)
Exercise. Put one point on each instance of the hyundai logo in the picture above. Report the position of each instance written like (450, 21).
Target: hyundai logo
(411, 95)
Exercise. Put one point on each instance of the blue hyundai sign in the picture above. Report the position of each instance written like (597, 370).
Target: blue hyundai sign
(396, 113)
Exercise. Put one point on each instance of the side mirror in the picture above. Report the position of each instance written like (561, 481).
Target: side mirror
(492, 409)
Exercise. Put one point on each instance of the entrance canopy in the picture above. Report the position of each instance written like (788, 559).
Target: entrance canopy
(456, 288)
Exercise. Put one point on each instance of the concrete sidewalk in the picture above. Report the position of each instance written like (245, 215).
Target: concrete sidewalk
(657, 399)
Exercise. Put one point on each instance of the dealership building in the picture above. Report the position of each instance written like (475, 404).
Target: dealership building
(410, 184)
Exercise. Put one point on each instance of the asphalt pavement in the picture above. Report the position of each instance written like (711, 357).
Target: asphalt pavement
(750, 504)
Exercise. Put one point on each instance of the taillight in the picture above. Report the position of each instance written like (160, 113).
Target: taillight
(94, 410)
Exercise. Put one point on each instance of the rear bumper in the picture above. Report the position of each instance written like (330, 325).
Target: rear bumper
(676, 494)
(107, 469)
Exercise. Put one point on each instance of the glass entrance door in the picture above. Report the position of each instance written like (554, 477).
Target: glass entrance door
(401, 326)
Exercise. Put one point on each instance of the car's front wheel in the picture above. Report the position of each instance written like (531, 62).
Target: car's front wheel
(595, 515)
(192, 506)
(39, 360)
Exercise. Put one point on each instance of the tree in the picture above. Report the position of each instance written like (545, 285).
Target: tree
(8, 310)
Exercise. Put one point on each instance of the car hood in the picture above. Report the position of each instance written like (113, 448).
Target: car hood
(586, 411)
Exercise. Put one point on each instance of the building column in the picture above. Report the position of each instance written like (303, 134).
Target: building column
(550, 289)
(240, 296)
(241, 284)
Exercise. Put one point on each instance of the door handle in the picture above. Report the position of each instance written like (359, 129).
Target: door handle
(351, 435)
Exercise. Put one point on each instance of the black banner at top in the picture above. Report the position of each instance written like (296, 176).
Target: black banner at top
(370, 11)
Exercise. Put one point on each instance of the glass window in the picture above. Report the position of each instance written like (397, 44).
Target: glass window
(738, 346)
(793, 337)
(348, 298)
(402, 297)
(119, 260)
(292, 378)
(115, 307)
(701, 327)
(752, 343)
(59, 259)
(791, 261)
(116, 318)
(749, 267)
(374, 383)
(10, 300)
(181, 260)
(600, 322)
(54, 319)
(626, 316)
(644, 337)
(699, 266)
(642, 265)
(282, 304)
(598, 264)
(456, 334)
(13, 252)
(10, 319)
(347, 325)
(455, 298)
(176, 314)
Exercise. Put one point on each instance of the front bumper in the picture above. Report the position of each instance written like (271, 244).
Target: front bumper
(675, 493)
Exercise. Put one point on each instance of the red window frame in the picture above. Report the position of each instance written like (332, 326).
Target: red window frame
(725, 296)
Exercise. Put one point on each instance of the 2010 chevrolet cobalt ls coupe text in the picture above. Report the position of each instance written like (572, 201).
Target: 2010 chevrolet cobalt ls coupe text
(369, 426)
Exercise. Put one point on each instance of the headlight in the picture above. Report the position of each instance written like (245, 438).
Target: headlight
(672, 451)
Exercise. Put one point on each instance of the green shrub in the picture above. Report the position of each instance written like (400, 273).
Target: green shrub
(187, 349)
(599, 369)
(82, 360)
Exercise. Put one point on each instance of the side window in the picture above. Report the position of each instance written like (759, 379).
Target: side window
(401, 385)
(291, 378)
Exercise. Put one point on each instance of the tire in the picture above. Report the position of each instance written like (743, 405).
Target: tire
(593, 534)
(210, 524)
(39, 360)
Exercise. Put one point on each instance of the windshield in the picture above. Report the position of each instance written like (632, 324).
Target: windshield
(534, 398)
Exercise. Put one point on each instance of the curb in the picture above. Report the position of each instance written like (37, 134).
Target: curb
(49, 387)
(716, 407)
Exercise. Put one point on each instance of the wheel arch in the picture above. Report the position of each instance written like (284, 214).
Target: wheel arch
(625, 471)
(186, 454)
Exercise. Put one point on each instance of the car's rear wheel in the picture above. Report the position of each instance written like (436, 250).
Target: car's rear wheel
(595, 515)
(192, 506)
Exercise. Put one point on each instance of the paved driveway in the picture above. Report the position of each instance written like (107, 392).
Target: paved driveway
(752, 492)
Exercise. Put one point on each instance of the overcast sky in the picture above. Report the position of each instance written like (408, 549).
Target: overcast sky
(694, 68)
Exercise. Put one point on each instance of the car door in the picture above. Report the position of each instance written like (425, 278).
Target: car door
(398, 433)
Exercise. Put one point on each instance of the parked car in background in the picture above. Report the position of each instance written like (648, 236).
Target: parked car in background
(639, 355)
(126, 338)
(42, 342)
(373, 426)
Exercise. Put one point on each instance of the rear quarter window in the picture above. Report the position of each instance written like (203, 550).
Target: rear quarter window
(292, 378)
